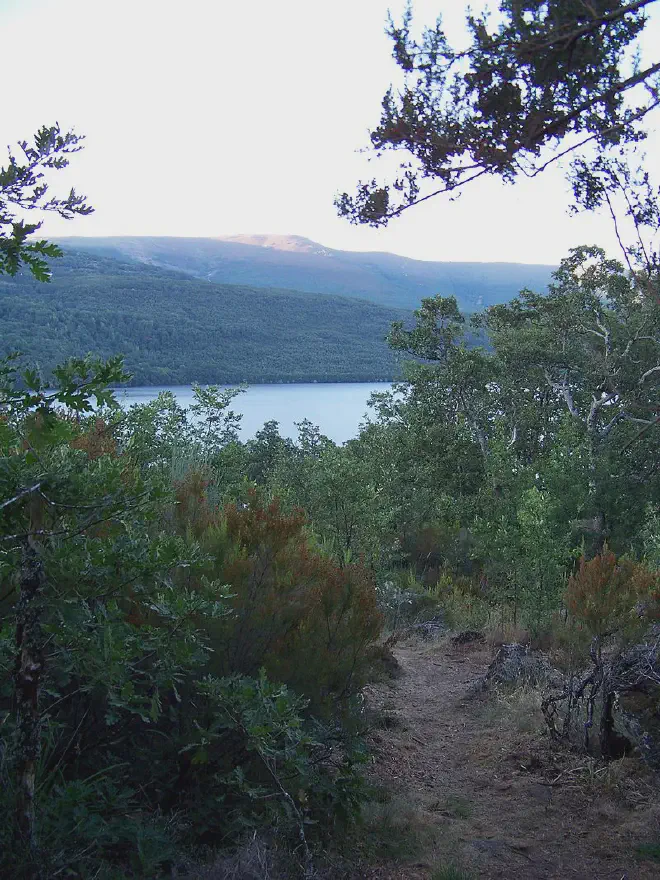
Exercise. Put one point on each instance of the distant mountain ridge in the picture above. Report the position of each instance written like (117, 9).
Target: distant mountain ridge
(297, 263)
(294, 243)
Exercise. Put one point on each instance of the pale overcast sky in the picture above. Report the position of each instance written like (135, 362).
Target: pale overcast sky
(216, 117)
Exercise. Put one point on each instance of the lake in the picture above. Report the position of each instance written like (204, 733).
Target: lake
(337, 408)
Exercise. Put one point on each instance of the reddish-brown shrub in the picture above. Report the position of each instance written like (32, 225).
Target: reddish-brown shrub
(297, 614)
(607, 595)
(96, 441)
(192, 511)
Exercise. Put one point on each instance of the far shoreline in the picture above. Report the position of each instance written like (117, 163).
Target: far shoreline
(261, 384)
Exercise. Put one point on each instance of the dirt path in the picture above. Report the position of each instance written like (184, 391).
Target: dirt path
(471, 780)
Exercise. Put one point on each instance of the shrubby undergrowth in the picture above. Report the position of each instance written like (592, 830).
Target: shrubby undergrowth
(188, 620)
(177, 666)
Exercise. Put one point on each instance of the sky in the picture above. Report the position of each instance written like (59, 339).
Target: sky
(221, 117)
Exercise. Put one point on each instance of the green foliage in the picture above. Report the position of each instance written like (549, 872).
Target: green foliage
(24, 187)
(124, 603)
(535, 81)
(651, 537)
(214, 424)
(467, 608)
(523, 550)
(336, 488)
(152, 432)
(162, 434)
(590, 341)
(265, 451)
(427, 471)
(496, 468)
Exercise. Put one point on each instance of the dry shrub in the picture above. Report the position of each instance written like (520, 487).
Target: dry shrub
(609, 596)
(569, 643)
(610, 603)
(521, 707)
(96, 441)
(606, 599)
(502, 631)
(307, 621)
(193, 513)
(394, 828)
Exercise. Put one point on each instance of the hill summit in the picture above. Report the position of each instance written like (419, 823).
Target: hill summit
(297, 263)
(297, 244)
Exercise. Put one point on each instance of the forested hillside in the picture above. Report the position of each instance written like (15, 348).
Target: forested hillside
(176, 330)
(300, 264)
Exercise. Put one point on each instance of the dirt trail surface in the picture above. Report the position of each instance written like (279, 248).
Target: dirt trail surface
(486, 793)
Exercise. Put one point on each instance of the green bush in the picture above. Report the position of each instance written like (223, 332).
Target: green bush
(155, 725)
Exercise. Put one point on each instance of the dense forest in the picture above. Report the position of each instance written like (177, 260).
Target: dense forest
(191, 626)
(176, 330)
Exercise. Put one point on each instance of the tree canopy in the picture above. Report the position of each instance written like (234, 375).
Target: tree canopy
(24, 188)
(540, 80)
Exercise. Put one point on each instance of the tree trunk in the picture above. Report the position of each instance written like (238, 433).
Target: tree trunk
(28, 669)
(612, 745)
(597, 534)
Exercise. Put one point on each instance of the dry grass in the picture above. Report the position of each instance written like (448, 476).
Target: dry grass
(516, 708)
(493, 797)
(500, 633)
(256, 859)
(394, 829)
(451, 872)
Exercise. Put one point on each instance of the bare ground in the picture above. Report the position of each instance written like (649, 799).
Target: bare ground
(474, 783)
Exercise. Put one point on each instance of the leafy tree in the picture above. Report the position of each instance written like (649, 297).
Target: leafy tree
(265, 450)
(24, 188)
(562, 411)
(524, 548)
(464, 372)
(151, 432)
(214, 425)
(337, 490)
(543, 80)
(589, 350)
(40, 480)
(426, 467)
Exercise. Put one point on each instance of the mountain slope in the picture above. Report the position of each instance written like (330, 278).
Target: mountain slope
(300, 264)
(175, 330)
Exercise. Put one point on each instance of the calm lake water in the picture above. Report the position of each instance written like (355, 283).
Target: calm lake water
(337, 408)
